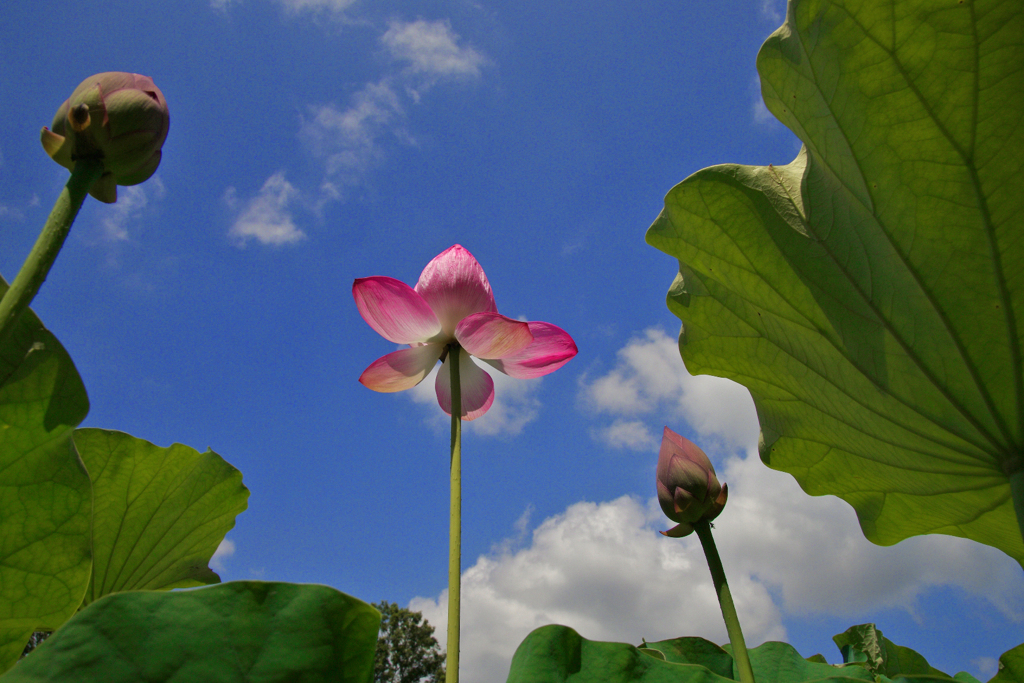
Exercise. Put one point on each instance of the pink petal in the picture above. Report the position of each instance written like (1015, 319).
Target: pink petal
(401, 370)
(455, 286)
(492, 335)
(395, 310)
(477, 387)
(552, 348)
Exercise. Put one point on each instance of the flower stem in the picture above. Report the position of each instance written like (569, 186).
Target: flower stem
(455, 525)
(732, 621)
(36, 267)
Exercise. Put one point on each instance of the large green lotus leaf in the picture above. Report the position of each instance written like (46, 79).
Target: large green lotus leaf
(237, 632)
(158, 513)
(870, 294)
(691, 650)
(557, 654)
(865, 643)
(44, 489)
(1011, 666)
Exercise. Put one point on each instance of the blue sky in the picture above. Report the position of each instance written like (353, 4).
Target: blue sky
(316, 141)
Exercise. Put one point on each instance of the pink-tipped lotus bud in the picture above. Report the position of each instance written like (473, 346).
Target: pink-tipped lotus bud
(688, 489)
(118, 117)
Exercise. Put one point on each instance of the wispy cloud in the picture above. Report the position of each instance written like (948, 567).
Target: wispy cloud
(649, 379)
(432, 48)
(131, 203)
(225, 550)
(353, 138)
(773, 11)
(266, 217)
(349, 139)
(759, 110)
(299, 6)
(18, 212)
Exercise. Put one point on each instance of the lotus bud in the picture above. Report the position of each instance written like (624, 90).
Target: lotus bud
(118, 117)
(688, 489)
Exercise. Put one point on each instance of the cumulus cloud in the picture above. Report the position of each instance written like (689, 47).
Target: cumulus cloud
(225, 550)
(515, 404)
(131, 203)
(266, 217)
(634, 435)
(649, 379)
(603, 569)
(432, 48)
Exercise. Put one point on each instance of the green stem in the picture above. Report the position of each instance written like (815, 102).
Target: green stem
(51, 239)
(1017, 491)
(732, 620)
(455, 524)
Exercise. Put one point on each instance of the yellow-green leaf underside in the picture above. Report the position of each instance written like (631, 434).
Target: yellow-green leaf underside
(870, 294)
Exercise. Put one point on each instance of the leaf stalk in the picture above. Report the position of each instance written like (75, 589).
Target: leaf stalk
(455, 525)
(732, 620)
(37, 265)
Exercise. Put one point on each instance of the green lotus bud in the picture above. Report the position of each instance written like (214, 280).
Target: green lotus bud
(688, 489)
(118, 117)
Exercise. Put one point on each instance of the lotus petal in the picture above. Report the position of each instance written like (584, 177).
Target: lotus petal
(490, 335)
(455, 286)
(394, 310)
(552, 348)
(401, 370)
(477, 387)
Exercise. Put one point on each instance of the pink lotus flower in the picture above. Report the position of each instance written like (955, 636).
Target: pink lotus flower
(452, 304)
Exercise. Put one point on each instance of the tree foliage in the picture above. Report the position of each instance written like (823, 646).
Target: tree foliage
(407, 651)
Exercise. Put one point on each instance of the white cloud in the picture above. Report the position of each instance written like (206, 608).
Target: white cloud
(225, 550)
(432, 48)
(774, 11)
(352, 140)
(812, 551)
(761, 113)
(222, 5)
(131, 203)
(349, 140)
(603, 570)
(514, 407)
(649, 378)
(297, 6)
(986, 666)
(759, 110)
(266, 217)
(631, 434)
